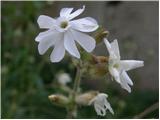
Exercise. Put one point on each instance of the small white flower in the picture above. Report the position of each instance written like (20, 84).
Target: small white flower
(63, 32)
(101, 104)
(118, 68)
(63, 78)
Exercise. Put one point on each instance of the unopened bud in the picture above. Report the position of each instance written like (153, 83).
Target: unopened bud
(59, 100)
(63, 78)
(85, 98)
(101, 35)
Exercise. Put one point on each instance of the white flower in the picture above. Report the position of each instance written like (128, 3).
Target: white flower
(101, 104)
(118, 68)
(63, 32)
(63, 78)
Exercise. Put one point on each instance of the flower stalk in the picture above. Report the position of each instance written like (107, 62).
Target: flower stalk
(72, 108)
(77, 80)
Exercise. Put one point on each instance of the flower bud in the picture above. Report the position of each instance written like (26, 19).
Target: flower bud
(63, 78)
(101, 34)
(59, 100)
(85, 98)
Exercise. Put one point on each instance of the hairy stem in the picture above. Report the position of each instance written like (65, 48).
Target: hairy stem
(72, 109)
(77, 81)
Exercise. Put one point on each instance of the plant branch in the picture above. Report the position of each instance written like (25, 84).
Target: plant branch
(147, 111)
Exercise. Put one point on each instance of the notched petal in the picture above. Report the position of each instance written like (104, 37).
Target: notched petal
(76, 13)
(45, 21)
(65, 12)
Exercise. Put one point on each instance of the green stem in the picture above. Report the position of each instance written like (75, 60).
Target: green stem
(72, 109)
(77, 81)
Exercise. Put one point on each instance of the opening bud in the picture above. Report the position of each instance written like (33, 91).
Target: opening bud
(85, 98)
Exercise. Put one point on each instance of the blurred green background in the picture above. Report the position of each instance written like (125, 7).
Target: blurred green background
(28, 78)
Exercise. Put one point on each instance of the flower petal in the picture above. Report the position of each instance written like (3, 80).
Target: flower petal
(76, 13)
(45, 21)
(49, 34)
(58, 52)
(125, 81)
(46, 41)
(108, 106)
(130, 64)
(112, 55)
(87, 24)
(114, 72)
(125, 86)
(115, 48)
(109, 47)
(102, 95)
(65, 12)
(44, 46)
(125, 76)
(87, 42)
(99, 110)
(70, 45)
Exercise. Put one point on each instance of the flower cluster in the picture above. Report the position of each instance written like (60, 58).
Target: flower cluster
(62, 35)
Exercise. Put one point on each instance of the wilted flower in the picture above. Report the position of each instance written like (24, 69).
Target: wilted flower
(63, 32)
(118, 68)
(101, 104)
(63, 78)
